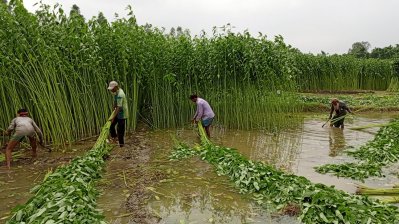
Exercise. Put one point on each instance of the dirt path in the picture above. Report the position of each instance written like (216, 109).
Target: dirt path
(130, 170)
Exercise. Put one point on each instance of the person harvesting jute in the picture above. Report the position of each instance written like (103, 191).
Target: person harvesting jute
(22, 126)
(120, 114)
(204, 113)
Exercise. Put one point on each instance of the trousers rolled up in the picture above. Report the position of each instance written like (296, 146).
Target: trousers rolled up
(120, 132)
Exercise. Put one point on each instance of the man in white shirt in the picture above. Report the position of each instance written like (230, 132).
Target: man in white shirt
(204, 113)
(22, 126)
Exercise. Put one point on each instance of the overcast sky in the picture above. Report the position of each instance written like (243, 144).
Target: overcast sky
(310, 25)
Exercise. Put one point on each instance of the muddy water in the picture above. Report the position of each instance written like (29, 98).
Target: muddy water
(26, 172)
(191, 192)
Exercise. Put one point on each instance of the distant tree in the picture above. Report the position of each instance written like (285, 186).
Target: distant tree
(386, 52)
(5, 1)
(360, 49)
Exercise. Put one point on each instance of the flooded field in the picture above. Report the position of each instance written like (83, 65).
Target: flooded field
(140, 184)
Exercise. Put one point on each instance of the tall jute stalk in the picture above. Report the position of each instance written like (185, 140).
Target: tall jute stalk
(58, 64)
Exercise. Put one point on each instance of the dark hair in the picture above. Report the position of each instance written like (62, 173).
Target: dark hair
(193, 96)
(22, 110)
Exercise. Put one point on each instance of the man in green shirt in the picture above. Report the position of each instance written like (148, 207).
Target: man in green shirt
(121, 113)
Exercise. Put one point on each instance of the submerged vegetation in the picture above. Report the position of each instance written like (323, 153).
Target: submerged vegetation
(68, 195)
(275, 189)
(57, 65)
(381, 151)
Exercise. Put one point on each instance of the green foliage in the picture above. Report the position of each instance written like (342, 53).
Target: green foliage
(58, 65)
(337, 72)
(390, 52)
(358, 100)
(68, 195)
(381, 151)
(360, 49)
(271, 187)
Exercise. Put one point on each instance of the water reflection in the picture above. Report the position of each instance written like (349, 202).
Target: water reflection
(279, 148)
(194, 193)
(203, 197)
(336, 141)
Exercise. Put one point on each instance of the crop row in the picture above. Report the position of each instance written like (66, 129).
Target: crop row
(372, 157)
(270, 187)
(68, 195)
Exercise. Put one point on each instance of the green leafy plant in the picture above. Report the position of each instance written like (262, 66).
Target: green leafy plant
(372, 157)
(273, 188)
(68, 194)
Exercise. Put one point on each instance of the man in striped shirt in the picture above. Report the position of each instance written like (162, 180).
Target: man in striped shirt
(204, 113)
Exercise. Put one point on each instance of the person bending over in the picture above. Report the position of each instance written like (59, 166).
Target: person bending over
(204, 113)
(22, 126)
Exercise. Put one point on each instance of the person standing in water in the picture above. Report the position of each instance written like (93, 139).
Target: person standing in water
(340, 109)
(204, 113)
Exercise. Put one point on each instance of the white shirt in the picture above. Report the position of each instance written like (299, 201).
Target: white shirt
(204, 110)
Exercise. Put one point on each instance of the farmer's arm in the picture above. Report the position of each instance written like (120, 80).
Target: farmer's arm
(11, 127)
(117, 107)
(196, 113)
(200, 112)
(38, 131)
(116, 112)
(347, 108)
(331, 112)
